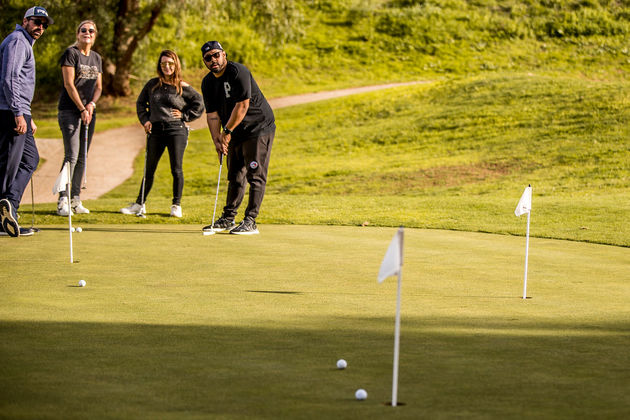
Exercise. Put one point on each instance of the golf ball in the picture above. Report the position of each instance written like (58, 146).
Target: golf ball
(82, 283)
(342, 364)
(361, 394)
(72, 229)
(79, 229)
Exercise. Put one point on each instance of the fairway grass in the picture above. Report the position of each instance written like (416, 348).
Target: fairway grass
(175, 325)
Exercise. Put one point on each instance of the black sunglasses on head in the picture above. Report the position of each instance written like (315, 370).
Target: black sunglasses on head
(39, 22)
(209, 57)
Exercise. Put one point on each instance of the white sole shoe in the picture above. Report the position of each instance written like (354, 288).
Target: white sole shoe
(176, 211)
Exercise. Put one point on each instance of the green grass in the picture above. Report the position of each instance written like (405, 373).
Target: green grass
(447, 155)
(173, 330)
(111, 113)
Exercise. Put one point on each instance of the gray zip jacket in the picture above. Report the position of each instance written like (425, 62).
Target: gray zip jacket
(17, 72)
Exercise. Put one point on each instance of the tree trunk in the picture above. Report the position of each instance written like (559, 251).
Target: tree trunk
(131, 26)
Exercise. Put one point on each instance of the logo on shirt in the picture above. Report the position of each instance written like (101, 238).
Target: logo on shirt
(253, 164)
(227, 88)
(87, 72)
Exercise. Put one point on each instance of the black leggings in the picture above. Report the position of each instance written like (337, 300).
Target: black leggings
(173, 137)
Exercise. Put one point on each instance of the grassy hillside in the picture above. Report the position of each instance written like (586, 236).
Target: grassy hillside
(449, 155)
(521, 92)
(305, 45)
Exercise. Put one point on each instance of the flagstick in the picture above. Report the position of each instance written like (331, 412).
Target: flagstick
(526, 257)
(69, 214)
(397, 328)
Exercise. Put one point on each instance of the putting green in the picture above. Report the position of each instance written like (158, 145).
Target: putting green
(173, 324)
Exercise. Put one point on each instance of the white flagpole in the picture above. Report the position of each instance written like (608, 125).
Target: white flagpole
(68, 193)
(397, 328)
(526, 257)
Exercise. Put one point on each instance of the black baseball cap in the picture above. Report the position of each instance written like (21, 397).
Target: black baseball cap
(38, 11)
(211, 45)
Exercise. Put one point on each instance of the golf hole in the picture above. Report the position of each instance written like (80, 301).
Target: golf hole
(398, 404)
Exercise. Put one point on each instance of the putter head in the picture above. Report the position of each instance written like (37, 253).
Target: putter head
(208, 232)
(141, 215)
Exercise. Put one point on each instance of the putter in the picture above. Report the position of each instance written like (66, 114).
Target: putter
(144, 177)
(216, 198)
(85, 158)
(33, 228)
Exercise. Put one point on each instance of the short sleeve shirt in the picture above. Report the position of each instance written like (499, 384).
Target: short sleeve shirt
(221, 94)
(86, 71)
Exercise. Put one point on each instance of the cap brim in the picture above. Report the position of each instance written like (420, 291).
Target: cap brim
(48, 18)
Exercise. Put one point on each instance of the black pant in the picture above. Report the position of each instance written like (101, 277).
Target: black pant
(171, 136)
(18, 158)
(248, 162)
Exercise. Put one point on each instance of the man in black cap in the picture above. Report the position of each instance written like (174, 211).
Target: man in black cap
(18, 152)
(235, 103)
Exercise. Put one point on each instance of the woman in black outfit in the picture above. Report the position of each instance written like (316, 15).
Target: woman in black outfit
(165, 104)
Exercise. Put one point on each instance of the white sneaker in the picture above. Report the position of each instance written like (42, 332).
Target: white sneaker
(176, 211)
(134, 208)
(77, 206)
(62, 206)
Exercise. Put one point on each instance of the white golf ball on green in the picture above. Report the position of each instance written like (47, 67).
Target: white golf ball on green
(79, 229)
(342, 364)
(82, 283)
(72, 229)
(361, 394)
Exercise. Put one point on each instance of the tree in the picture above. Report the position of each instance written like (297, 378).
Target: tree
(132, 24)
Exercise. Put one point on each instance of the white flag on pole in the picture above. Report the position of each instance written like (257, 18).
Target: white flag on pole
(525, 203)
(393, 258)
(62, 180)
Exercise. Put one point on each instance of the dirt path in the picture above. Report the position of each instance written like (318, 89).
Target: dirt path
(113, 152)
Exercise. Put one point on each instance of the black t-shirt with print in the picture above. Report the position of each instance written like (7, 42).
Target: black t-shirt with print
(86, 71)
(221, 94)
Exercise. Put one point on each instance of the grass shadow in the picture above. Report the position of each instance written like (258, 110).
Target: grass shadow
(449, 367)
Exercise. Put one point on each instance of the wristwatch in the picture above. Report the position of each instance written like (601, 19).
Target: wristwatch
(227, 130)
(93, 104)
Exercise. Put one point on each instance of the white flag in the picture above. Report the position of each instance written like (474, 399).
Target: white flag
(393, 258)
(62, 180)
(525, 203)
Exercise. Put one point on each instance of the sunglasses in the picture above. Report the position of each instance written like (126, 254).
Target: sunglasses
(167, 63)
(208, 57)
(39, 22)
(84, 30)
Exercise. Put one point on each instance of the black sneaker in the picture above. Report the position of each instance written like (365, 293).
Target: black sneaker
(7, 219)
(247, 227)
(27, 231)
(220, 225)
(23, 231)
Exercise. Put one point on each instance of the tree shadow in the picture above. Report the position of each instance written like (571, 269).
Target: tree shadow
(449, 367)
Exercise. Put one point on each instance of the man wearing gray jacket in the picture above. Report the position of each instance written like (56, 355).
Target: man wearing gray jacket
(18, 152)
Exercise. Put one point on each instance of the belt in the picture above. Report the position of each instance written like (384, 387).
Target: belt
(164, 125)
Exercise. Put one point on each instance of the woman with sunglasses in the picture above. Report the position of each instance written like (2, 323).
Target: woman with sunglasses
(165, 104)
(82, 72)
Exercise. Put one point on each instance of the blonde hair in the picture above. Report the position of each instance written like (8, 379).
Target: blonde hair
(76, 42)
(176, 79)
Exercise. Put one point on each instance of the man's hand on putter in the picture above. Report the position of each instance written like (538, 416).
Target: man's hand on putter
(225, 140)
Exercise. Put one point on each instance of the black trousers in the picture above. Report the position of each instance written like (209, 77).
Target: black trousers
(248, 162)
(171, 136)
(18, 158)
